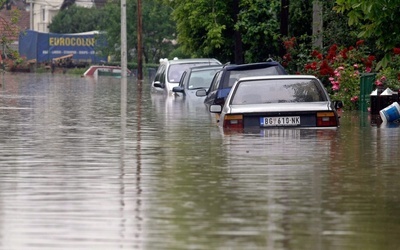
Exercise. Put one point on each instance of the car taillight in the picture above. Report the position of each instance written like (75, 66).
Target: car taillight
(233, 121)
(326, 119)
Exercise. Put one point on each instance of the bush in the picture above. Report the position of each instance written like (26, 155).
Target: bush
(390, 75)
(339, 68)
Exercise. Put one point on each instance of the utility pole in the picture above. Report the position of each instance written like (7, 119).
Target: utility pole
(31, 14)
(139, 41)
(124, 67)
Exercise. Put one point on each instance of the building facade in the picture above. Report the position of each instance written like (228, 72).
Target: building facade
(43, 12)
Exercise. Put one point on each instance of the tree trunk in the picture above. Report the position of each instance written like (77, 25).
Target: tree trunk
(237, 36)
(317, 27)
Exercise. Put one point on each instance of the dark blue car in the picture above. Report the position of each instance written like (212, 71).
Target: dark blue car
(229, 74)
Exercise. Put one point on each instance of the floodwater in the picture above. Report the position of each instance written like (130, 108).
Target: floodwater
(104, 164)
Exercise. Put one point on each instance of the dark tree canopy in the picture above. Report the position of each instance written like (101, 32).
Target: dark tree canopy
(229, 30)
(158, 29)
(158, 34)
(75, 19)
(375, 20)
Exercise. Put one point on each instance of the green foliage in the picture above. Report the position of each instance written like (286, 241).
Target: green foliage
(339, 68)
(390, 75)
(299, 43)
(205, 30)
(259, 26)
(9, 26)
(376, 20)
(204, 27)
(76, 19)
(336, 29)
(112, 27)
(300, 18)
(179, 52)
(158, 31)
(298, 53)
(17, 63)
(348, 81)
(76, 71)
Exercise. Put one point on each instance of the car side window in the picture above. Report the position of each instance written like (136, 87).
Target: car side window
(158, 73)
(182, 81)
(162, 76)
(216, 81)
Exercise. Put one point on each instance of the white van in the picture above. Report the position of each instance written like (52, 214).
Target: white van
(170, 72)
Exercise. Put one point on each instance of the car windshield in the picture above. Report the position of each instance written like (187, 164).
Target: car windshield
(175, 71)
(201, 79)
(278, 91)
(234, 75)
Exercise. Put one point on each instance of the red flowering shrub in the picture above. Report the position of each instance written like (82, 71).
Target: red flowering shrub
(339, 69)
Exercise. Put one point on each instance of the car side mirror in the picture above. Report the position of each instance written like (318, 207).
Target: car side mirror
(215, 108)
(338, 104)
(158, 84)
(201, 92)
(177, 89)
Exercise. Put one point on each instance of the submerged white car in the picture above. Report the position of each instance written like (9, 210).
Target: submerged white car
(281, 101)
(169, 72)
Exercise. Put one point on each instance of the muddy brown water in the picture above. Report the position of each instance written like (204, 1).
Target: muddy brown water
(104, 164)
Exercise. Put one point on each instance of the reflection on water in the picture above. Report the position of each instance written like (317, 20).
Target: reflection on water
(104, 164)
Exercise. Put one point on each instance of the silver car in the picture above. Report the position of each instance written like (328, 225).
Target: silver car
(282, 101)
(169, 72)
(196, 78)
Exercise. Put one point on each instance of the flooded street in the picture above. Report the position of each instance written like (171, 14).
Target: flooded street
(104, 164)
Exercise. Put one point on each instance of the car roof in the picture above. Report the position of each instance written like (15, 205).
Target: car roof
(189, 60)
(277, 77)
(199, 68)
(248, 66)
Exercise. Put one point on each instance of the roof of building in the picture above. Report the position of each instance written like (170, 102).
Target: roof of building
(9, 29)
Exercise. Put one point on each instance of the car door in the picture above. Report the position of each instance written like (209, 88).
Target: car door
(212, 92)
(159, 79)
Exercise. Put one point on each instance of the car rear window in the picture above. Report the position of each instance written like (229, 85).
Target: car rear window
(278, 91)
(175, 71)
(201, 79)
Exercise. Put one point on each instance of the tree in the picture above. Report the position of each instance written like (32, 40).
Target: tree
(238, 52)
(158, 36)
(376, 20)
(9, 28)
(223, 28)
(76, 19)
(336, 29)
(300, 16)
(260, 28)
(284, 23)
(158, 28)
(159, 31)
(205, 28)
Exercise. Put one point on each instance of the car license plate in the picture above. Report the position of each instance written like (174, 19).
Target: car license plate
(280, 121)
